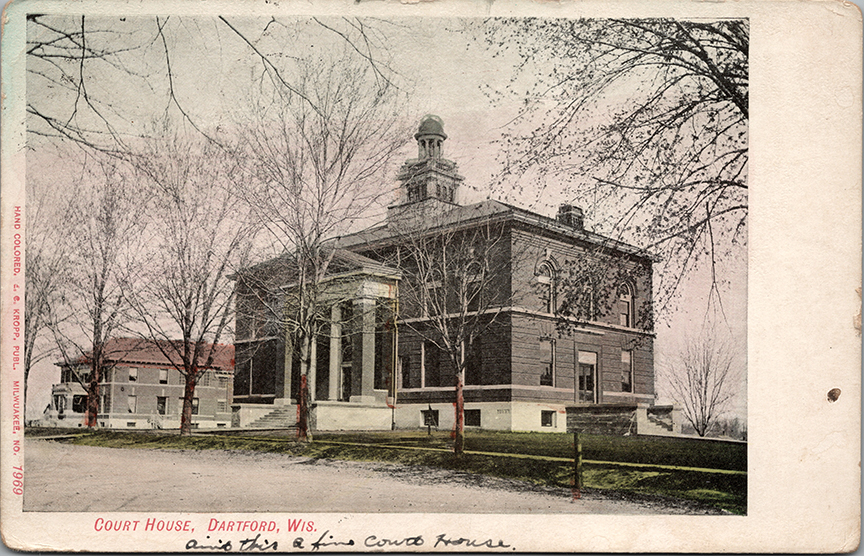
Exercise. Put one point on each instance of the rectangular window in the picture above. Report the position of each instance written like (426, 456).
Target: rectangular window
(161, 405)
(474, 293)
(347, 340)
(204, 379)
(626, 371)
(163, 376)
(384, 337)
(79, 404)
(405, 366)
(133, 375)
(431, 364)
(321, 386)
(472, 417)
(132, 404)
(194, 405)
(221, 406)
(474, 363)
(434, 301)
(587, 372)
(547, 362)
(547, 418)
(624, 317)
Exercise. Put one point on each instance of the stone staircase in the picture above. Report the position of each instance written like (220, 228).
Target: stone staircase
(667, 425)
(279, 418)
(655, 426)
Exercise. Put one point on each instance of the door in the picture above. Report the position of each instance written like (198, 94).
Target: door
(587, 377)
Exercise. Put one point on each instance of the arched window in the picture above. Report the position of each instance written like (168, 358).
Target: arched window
(546, 277)
(625, 305)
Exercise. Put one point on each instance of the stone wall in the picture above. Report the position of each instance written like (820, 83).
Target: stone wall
(615, 420)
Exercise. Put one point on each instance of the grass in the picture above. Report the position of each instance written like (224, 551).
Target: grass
(531, 457)
(646, 450)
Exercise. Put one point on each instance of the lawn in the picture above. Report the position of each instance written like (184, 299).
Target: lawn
(726, 489)
(656, 450)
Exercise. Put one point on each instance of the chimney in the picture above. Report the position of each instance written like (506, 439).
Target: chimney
(572, 216)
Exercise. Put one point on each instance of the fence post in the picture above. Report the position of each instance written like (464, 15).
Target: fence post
(577, 466)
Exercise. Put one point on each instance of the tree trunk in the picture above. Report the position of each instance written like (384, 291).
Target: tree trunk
(459, 440)
(93, 399)
(303, 397)
(303, 410)
(188, 395)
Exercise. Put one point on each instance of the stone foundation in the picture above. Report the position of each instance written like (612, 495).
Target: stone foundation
(613, 420)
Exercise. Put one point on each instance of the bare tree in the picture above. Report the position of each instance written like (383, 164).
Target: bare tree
(456, 282)
(702, 378)
(200, 237)
(88, 76)
(646, 120)
(320, 149)
(103, 238)
(67, 56)
(47, 255)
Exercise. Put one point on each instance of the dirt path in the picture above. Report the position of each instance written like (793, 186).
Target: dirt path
(64, 477)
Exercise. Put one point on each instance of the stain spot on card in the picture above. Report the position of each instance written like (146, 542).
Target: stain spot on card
(833, 394)
(857, 320)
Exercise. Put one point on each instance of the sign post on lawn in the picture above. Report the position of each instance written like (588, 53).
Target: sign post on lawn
(577, 453)
(430, 419)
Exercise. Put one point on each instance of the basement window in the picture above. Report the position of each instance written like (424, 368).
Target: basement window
(472, 417)
(547, 418)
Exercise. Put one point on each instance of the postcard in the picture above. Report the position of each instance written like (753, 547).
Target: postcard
(431, 276)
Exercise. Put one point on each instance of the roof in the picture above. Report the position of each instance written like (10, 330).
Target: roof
(348, 261)
(148, 352)
(484, 211)
(343, 262)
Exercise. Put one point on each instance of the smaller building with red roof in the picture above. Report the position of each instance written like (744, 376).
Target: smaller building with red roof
(142, 388)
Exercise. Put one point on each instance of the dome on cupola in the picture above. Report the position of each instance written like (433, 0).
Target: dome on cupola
(431, 125)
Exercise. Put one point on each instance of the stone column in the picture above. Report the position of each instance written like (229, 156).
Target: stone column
(362, 387)
(335, 371)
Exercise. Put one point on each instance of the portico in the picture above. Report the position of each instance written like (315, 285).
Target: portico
(350, 362)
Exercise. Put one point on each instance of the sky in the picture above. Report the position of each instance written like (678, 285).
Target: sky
(444, 70)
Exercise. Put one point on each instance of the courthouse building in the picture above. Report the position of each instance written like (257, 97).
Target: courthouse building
(375, 362)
